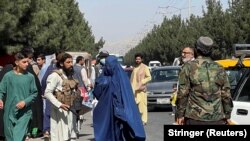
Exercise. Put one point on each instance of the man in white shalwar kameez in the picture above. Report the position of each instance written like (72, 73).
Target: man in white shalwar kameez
(63, 121)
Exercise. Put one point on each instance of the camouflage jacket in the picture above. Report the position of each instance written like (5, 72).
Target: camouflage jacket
(204, 91)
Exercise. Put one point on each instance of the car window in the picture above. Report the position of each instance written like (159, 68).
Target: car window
(234, 77)
(165, 75)
(244, 94)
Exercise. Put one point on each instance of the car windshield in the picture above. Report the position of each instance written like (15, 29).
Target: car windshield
(165, 75)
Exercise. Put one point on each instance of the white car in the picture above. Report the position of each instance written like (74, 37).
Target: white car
(153, 64)
(241, 109)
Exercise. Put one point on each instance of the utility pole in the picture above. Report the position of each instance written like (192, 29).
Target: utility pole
(174, 8)
(189, 8)
(177, 9)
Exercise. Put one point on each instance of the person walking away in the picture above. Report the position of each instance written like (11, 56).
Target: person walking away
(116, 116)
(203, 96)
(62, 120)
(19, 96)
(139, 78)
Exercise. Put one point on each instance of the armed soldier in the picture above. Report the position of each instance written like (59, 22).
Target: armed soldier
(59, 91)
(204, 90)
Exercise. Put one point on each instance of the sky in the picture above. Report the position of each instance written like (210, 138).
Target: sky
(123, 23)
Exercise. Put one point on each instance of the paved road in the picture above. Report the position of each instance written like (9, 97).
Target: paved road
(156, 121)
(154, 128)
(86, 133)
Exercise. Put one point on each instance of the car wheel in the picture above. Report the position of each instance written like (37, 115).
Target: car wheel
(151, 108)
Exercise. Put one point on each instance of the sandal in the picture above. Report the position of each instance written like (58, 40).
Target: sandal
(46, 134)
(27, 138)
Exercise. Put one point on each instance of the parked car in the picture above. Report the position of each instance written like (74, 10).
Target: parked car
(153, 64)
(241, 100)
(159, 89)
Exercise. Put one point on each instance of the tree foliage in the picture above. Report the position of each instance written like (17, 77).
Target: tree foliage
(226, 27)
(45, 25)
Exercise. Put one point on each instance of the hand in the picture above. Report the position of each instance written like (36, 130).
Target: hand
(180, 121)
(20, 105)
(230, 122)
(65, 107)
(90, 85)
(1, 104)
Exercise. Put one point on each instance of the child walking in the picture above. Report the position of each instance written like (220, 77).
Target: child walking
(173, 99)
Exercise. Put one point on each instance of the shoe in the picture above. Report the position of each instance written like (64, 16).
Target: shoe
(144, 123)
(27, 138)
(46, 134)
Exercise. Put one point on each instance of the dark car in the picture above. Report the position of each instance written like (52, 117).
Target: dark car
(159, 89)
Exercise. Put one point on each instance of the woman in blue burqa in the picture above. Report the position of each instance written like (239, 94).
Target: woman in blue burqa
(116, 116)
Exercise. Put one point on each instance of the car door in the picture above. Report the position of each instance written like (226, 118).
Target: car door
(241, 109)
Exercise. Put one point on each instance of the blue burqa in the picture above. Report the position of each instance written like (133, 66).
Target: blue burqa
(116, 116)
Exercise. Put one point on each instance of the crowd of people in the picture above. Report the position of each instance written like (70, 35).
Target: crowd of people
(41, 100)
(45, 109)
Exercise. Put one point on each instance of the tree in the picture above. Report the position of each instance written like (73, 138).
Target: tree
(165, 42)
(47, 26)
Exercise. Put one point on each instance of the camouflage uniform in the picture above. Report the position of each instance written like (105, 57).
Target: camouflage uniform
(204, 91)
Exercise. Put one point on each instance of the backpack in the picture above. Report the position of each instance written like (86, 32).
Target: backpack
(70, 94)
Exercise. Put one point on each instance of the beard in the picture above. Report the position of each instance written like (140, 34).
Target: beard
(138, 63)
(69, 72)
(186, 59)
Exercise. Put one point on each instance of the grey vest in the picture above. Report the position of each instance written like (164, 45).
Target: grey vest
(77, 74)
